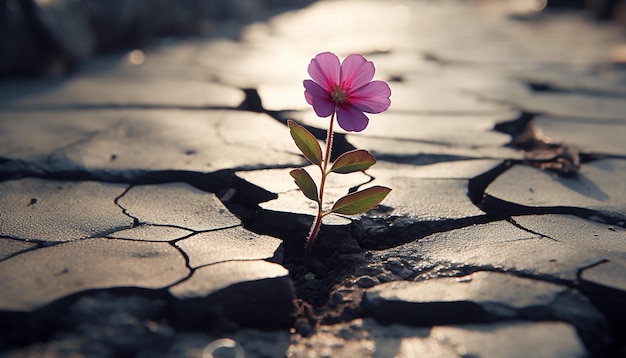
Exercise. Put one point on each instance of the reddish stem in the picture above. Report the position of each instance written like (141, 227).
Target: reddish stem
(317, 223)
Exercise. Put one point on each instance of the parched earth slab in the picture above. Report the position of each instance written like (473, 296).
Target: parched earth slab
(202, 141)
(107, 90)
(458, 169)
(257, 131)
(605, 284)
(249, 64)
(571, 105)
(132, 142)
(502, 246)
(177, 204)
(438, 99)
(151, 233)
(517, 44)
(607, 274)
(415, 208)
(482, 297)
(598, 186)
(512, 339)
(476, 298)
(475, 80)
(368, 338)
(609, 82)
(584, 133)
(36, 278)
(486, 35)
(417, 151)
(430, 192)
(210, 279)
(33, 136)
(10, 247)
(251, 293)
(280, 97)
(606, 241)
(55, 211)
(226, 245)
(429, 199)
(308, 21)
(273, 180)
(470, 130)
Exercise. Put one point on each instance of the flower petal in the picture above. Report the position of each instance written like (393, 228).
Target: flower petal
(318, 98)
(372, 98)
(356, 71)
(351, 119)
(324, 69)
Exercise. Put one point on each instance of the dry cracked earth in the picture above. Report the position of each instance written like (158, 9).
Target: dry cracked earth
(146, 209)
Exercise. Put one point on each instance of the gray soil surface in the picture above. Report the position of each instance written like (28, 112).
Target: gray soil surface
(146, 207)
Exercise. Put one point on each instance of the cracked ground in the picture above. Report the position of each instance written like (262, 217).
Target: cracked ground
(147, 210)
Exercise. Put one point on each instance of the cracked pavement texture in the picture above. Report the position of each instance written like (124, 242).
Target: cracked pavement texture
(147, 210)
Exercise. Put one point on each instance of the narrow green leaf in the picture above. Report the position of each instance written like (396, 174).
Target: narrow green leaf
(361, 201)
(353, 161)
(306, 142)
(305, 183)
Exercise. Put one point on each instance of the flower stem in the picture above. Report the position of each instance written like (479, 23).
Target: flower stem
(317, 223)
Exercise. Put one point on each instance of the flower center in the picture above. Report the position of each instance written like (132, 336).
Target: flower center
(339, 95)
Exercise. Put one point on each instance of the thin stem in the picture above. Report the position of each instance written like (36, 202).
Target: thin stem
(329, 142)
(312, 235)
(317, 223)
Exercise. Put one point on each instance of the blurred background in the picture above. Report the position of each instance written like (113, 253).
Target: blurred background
(51, 37)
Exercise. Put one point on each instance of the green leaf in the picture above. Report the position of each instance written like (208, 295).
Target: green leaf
(306, 142)
(353, 161)
(305, 183)
(361, 201)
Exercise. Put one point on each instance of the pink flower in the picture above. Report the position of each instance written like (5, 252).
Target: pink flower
(346, 88)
